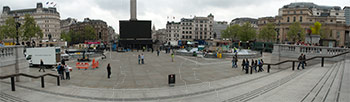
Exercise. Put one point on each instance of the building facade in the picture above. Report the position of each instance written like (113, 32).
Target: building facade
(331, 17)
(241, 21)
(100, 27)
(189, 29)
(66, 23)
(218, 27)
(111, 34)
(347, 15)
(48, 19)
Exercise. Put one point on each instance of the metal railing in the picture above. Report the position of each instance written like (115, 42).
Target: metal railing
(293, 61)
(30, 76)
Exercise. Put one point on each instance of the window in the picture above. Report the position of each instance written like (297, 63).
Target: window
(294, 18)
(338, 34)
(331, 20)
(287, 19)
(295, 12)
(301, 12)
(337, 14)
(301, 19)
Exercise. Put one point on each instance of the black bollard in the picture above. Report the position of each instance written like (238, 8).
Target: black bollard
(293, 65)
(268, 68)
(13, 83)
(58, 81)
(322, 62)
(42, 82)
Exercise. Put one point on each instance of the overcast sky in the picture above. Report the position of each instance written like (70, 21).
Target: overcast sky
(158, 11)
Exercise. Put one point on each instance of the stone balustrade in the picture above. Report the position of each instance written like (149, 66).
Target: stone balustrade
(293, 51)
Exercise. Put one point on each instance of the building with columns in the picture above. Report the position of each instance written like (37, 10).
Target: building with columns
(189, 29)
(331, 17)
(48, 19)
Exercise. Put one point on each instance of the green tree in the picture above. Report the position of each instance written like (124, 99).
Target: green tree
(247, 32)
(9, 29)
(231, 32)
(30, 29)
(89, 33)
(268, 33)
(66, 37)
(316, 28)
(296, 32)
(324, 32)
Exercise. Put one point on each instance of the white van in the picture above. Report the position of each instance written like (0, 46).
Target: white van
(47, 54)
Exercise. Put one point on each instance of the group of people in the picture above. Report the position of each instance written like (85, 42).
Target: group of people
(141, 59)
(254, 65)
(63, 68)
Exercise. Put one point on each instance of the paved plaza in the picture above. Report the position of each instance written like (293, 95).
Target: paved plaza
(197, 80)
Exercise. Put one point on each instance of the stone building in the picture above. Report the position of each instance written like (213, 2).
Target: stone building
(347, 15)
(241, 21)
(66, 23)
(331, 17)
(196, 28)
(100, 27)
(218, 27)
(48, 19)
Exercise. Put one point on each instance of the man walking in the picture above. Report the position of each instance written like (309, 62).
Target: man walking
(42, 65)
(233, 62)
(139, 57)
(158, 52)
(301, 62)
(66, 68)
(143, 58)
(108, 71)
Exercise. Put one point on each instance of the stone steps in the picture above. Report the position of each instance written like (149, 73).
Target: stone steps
(9, 98)
(326, 88)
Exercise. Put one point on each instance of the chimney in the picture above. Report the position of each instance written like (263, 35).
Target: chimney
(133, 10)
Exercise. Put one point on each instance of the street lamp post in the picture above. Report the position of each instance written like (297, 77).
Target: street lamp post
(17, 27)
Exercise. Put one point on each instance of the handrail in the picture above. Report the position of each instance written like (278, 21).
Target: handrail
(30, 76)
(322, 62)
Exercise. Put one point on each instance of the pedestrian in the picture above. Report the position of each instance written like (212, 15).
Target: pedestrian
(243, 64)
(142, 58)
(304, 58)
(66, 68)
(108, 71)
(143, 49)
(300, 59)
(42, 65)
(158, 52)
(59, 70)
(236, 58)
(172, 57)
(139, 57)
(233, 62)
(246, 66)
(256, 65)
(260, 64)
(253, 63)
